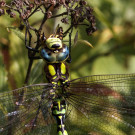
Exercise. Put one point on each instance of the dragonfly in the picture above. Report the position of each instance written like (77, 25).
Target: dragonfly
(90, 105)
(100, 104)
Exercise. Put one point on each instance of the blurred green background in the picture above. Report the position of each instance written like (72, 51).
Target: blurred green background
(113, 42)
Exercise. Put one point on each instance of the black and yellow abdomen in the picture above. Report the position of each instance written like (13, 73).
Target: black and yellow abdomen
(58, 111)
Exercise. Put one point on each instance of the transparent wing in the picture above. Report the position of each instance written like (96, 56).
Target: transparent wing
(101, 105)
(26, 111)
(96, 105)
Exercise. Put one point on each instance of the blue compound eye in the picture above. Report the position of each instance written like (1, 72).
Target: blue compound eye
(47, 56)
(64, 54)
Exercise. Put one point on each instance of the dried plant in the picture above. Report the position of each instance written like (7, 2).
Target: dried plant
(76, 13)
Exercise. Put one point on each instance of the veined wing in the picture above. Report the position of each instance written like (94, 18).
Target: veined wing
(101, 105)
(95, 105)
(26, 111)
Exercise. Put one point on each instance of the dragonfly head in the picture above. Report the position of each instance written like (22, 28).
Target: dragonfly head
(54, 43)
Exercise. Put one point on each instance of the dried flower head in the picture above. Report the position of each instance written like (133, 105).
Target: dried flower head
(76, 13)
(2, 12)
(2, 3)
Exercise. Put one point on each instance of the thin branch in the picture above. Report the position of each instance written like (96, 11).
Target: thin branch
(28, 71)
(11, 8)
(64, 13)
(44, 19)
(84, 24)
(31, 61)
(35, 10)
(70, 35)
(65, 33)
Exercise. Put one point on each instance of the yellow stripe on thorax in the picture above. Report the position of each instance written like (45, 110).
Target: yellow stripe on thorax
(63, 68)
(51, 70)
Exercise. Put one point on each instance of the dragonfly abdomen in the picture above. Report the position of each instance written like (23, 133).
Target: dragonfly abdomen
(58, 111)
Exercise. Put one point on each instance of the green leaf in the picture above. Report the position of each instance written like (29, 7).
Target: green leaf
(3, 76)
(17, 32)
(86, 43)
(76, 38)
